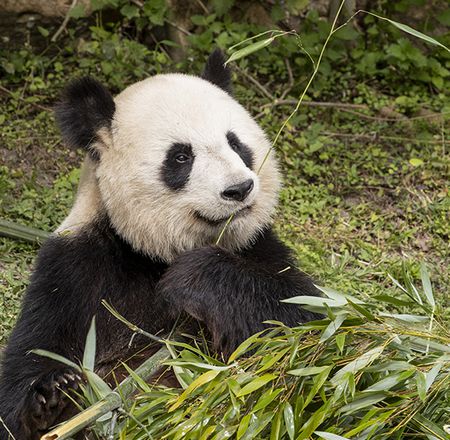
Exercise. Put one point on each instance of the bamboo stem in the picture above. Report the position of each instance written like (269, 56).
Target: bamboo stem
(83, 419)
(110, 402)
(20, 232)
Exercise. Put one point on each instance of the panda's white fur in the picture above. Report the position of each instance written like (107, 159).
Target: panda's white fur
(150, 116)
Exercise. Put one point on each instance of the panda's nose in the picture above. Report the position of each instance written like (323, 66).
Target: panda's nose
(238, 192)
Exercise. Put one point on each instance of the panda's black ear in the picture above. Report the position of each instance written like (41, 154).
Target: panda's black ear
(85, 107)
(216, 72)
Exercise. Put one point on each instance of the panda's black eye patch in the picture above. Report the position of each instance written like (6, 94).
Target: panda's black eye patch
(177, 166)
(241, 149)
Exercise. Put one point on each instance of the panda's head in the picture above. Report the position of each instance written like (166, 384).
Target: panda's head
(174, 156)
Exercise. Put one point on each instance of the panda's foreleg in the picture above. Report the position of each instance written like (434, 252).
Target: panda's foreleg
(55, 317)
(33, 389)
(234, 294)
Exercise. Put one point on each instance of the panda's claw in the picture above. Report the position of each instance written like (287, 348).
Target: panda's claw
(71, 377)
(41, 399)
(48, 399)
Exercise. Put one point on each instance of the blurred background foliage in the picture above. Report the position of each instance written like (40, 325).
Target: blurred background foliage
(123, 41)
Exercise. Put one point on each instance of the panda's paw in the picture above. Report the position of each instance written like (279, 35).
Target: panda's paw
(47, 399)
(228, 332)
(190, 283)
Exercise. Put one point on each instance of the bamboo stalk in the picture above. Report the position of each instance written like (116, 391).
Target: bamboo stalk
(83, 419)
(20, 232)
(110, 402)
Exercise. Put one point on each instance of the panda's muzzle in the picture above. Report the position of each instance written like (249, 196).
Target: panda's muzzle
(217, 222)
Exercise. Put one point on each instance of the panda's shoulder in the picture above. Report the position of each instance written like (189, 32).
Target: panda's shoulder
(91, 252)
(267, 246)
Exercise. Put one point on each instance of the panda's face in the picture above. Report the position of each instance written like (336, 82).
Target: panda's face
(175, 156)
(182, 158)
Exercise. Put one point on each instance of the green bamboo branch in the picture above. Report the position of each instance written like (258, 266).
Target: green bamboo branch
(20, 232)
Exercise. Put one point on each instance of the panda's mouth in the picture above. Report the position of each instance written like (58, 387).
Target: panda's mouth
(216, 222)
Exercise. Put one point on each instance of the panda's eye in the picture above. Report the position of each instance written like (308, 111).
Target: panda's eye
(181, 158)
(235, 146)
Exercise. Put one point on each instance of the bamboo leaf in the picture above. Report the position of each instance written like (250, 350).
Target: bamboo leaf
(362, 401)
(256, 384)
(333, 326)
(273, 360)
(339, 297)
(201, 380)
(266, 399)
(390, 381)
(430, 377)
(275, 430)
(424, 345)
(426, 284)
(340, 341)
(309, 371)
(430, 427)
(363, 310)
(409, 30)
(358, 364)
(330, 436)
(225, 434)
(21, 232)
(257, 424)
(199, 365)
(243, 347)
(243, 425)
(318, 382)
(405, 317)
(247, 50)
(289, 420)
(100, 387)
(57, 357)
(392, 300)
(390, 366)
(421, 382)
(315, 421)
(315, 301)
(90, 347)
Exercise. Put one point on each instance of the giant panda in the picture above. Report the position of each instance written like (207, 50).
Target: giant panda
(168, 161)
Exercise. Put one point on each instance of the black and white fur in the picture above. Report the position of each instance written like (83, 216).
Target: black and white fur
(169, 160)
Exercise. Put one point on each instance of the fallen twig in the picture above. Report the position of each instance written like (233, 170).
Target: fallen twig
(64, 23)
(291, 79)
(176, 26)
(253, 80)
(202, 5)
(5, 90)
(389, 138)
(346, 107)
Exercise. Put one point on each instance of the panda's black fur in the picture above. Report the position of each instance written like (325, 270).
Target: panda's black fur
(231, 292)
